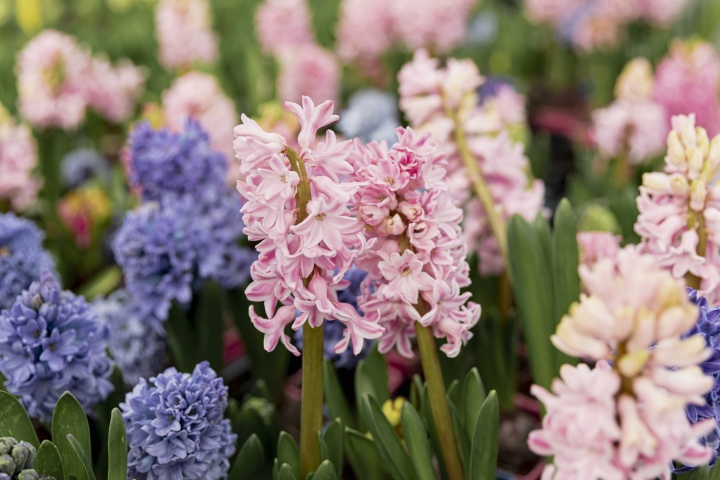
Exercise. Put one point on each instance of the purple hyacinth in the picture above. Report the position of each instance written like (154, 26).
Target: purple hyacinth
(175, 426)
(22, 257)
(167, 163)
(138, 350)
(51, 341)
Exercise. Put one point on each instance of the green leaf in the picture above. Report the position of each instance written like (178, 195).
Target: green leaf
(714, 473)
(117, 447)
(48, 461)
(702, 473)
(363, 456)
(14, 420)
(249, 461)
(286, 473)
(483, 456)
(288, 453)
(473, 396)
(335, 397)
(210, 325)
(331, 445)
(102, 284)
(326, 471)
(417, 442)
(453, 393)
(371, 378)
(82, 456)
(181, 339)
(461, 436)
(387, 441)
(69, 419)
(534, 296)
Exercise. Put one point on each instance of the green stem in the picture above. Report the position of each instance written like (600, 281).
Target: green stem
(691, 280)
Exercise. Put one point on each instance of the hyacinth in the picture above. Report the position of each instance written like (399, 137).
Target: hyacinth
(113, 91)
(283, 25)
(18, 157)
(198, 96)
(297, 209)
(444, 102)
(82, 211)
(83, 164)
(167, 248)
(163, 162)
(627, 420)
(368, 28)
(334, 331)
(175, 426)
(308, 70)
(415, 257)
(708, 326)
(22, 257)
(687, 81)
(371, 115)
(17, 459)
(52, 77)
(51, 341)
(184, 33)
(679, 219)
(633, 126)
(596, 246)
(138, 349)
(504, 105)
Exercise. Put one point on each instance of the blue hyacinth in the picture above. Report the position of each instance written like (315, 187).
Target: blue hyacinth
(83, 164)
(51, 341)
(168, 163)
(22, 257)
(371, 115)
(175, 426)
(138, 350)
(708, 325)
(334, 330)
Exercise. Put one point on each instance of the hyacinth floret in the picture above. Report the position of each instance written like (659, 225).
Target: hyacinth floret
(175, 426)
(52, 341)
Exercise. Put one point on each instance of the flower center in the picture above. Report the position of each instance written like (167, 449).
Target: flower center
(390, 180)
(405, 271)
(283, 179)
(4, 251)
(320, 217)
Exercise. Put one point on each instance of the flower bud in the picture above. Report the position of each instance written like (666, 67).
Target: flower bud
(698, 194)
(695, 162)
(6, 444)
(24, 455)
(714, 153)
(7, 465)
(678, 184)
(703, 142)
(676, 151)
(657, 182)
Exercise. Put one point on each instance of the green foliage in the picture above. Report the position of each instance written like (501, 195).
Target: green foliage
(14, 421)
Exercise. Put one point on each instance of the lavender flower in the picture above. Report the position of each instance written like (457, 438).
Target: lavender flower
(81, 165)
(163, 162)
(22, 257)
(175, 426)
(51, 341)
(138, 349)
(371, 115)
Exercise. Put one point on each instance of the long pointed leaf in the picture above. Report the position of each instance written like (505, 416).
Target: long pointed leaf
(335, 398)
(14, 421)
(70, 419)
(387, 441)
(117, 447)
(417, 441)
(483, 458)
(249, 461)
(48, 461)
(82, 455)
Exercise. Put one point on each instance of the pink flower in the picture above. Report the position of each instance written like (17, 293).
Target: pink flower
(596, 246)
(661, 12)
(283, 25)
(113, 91)
(365, 30)
(18, 158)
(184, 33)
(53, 71)
(308, 70)
(404, 275)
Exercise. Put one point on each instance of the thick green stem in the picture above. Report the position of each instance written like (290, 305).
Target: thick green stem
(691, 280)
(312, 398)
(438, 399)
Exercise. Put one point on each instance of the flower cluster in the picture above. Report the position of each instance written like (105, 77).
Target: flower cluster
(17, 460)
(138, 349)
(18, 157)
(444, 102)
(82, 165)
(596, 246)
(687, 81)
(58, 79)
(415, 257)
(175, 426)
(51, 341)
(634, 125)
(627, 420)
(368, 28)
(370, 115)
(679, 219)
(184, 33)
(22, 257)
(83, 211)
(282, 25)
(198, 96)
(589, 25)
(297, 208)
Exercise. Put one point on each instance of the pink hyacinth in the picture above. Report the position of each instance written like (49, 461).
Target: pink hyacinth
(415, 257)
(687, 82)
(184, 33)
(661, 12)
(365, 31)
(199, 96)
(113, 90)
(18, 157)
(52, 74)
(427, 93)
(596, 246)
(283, 25)
(679, 219)
(303, 254)
(627, 421)
(309, 70)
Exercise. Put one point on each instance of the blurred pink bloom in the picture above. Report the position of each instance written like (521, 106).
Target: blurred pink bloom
(53, 71)
(199, 96)
(308, 70)
(596, 246)
(184, 33)
(661, 12)
(113, 90)
(365, 30)
(283, 25)
(687, 81)
(18, 157)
